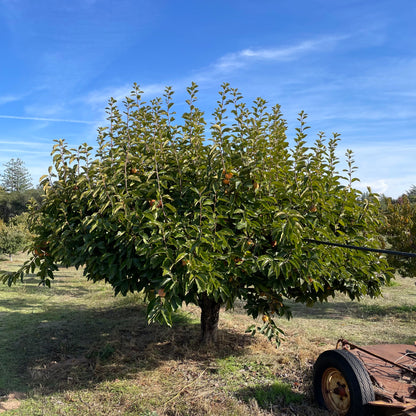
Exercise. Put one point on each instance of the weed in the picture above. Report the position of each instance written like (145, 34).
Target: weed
(103, 354)
(275, 394)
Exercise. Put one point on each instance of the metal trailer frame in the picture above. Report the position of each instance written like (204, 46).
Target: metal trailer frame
(371, 380)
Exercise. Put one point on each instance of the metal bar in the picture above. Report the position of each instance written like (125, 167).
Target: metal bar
(374, 250)
(404, 368)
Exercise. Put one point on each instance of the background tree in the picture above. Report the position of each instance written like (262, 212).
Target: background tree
(13, 204)
(16, 177)
(186, 213)
(411, 194)
(13, 237)
(400, 231)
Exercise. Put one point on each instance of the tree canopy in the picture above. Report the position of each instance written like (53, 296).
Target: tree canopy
(207, 213)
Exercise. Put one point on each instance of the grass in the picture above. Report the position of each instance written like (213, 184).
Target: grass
(77, 349)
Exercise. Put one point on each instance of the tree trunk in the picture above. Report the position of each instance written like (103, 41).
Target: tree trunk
(210, 314)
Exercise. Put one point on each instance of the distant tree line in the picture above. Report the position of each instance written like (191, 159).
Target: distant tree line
(400, 230)
(16, 190)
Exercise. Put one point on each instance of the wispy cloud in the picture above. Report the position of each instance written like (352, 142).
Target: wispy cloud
(225, 64)
(28, 151)
(288, 53)
(9, 99)
(55, 120)
(18, 142)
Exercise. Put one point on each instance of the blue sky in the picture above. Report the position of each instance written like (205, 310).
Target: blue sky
(349, 64)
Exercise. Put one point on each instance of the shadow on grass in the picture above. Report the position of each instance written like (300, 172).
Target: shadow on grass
(4, 258)
(73, 348)
(339, 310)
(33, 285)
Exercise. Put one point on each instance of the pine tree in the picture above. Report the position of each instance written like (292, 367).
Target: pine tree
(16, 177)
(411, 194)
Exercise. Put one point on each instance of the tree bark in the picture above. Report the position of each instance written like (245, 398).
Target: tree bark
(210, 314)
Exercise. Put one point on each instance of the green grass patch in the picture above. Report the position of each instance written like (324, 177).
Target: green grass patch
(254, 379)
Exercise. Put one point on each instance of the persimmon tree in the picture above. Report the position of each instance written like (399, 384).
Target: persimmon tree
(187, 211)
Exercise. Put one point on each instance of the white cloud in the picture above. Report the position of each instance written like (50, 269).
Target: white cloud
(388, 168)
(20, 150)
(21, 142)
(391, 187)
(289, 53)
(379, 186)
(98, 99)
(43, 110)
(5, 99)
(57, 120)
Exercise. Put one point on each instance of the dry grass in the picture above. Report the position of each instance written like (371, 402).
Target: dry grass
(76, 349)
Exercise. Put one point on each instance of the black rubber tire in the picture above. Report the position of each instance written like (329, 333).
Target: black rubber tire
(355, 374)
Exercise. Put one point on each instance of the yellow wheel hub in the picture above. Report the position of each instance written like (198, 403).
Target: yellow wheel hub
(335, 391)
